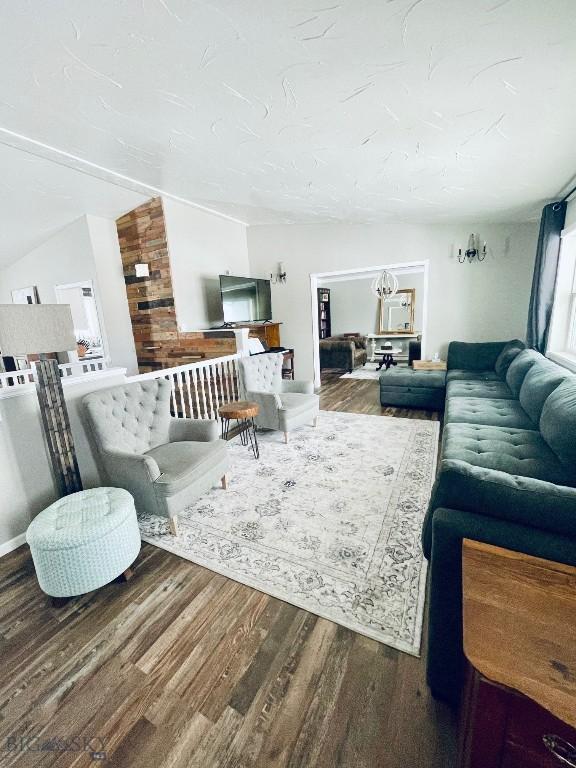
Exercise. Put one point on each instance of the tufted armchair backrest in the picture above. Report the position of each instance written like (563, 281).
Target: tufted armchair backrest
(261, 373)
(133, 418)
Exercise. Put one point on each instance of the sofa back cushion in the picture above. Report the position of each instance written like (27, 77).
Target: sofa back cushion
(474, 356)
(519, 367)
(558, 422)
(509, 352)
(261, 373)
(132, 418)
(540, 381)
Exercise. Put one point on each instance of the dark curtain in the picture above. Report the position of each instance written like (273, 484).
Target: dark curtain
(544, 279)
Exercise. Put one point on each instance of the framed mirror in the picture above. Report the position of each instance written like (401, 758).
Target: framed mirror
(80, 297)
(397, 312)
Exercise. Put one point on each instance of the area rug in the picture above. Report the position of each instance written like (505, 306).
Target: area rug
(367, 372)
(330, 522)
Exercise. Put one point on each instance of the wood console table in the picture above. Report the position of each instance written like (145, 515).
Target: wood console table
(519, 708)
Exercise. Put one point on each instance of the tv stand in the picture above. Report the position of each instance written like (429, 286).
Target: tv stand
(268, 332)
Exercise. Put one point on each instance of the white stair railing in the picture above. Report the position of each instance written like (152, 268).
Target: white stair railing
(199, 389)
(16, 378)
(81, 367)
(25, 376)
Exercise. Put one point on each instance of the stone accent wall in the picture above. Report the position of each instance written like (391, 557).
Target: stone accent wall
(159, 344)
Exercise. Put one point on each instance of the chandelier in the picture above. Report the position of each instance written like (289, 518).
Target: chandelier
(384, 285)
(474, 251)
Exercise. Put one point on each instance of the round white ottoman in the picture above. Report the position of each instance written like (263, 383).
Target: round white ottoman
(84, 541)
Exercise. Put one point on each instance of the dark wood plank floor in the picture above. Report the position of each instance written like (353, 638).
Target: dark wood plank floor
(182, 667)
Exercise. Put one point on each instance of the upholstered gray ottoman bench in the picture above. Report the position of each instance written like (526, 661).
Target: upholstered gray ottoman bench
(408, 388)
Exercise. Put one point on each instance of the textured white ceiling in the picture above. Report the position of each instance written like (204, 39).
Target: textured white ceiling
(305, 110)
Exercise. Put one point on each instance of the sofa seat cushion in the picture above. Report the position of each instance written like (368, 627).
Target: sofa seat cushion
(492, 389)
(488, 411)
(460, 374)
(520, 452)
(295, 403)
(408, 377)
(80, 518)
(184, 462)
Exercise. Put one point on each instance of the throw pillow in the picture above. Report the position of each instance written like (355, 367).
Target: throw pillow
(509, 352)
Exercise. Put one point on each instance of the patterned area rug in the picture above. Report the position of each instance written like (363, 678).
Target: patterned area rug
(367, 372)
(330, 522)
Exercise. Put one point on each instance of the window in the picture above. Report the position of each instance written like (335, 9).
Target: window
(562, 336)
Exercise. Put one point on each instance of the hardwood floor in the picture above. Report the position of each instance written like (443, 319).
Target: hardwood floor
(181, 667)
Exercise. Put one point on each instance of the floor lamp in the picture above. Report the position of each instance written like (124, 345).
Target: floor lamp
(42, 329)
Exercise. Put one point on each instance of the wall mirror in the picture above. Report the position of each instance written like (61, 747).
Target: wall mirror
(397, 312)
(80, 297)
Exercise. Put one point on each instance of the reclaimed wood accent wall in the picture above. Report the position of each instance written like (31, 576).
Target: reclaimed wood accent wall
(159, 343)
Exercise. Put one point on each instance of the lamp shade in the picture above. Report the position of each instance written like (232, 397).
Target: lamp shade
(28, 329)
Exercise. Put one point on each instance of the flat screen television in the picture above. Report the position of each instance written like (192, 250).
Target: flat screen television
(245, 299)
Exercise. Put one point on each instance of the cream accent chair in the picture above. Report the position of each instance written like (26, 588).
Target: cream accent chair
(165, 463)
(284, 404)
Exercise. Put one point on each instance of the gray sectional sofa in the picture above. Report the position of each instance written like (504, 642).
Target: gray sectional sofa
(507, 476)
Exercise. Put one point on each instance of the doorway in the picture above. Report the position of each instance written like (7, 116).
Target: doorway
(369, 319)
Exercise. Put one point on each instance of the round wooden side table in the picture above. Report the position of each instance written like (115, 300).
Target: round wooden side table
(243, 412)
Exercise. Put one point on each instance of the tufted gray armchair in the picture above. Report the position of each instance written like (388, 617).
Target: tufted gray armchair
(284, 404)
(165, 463)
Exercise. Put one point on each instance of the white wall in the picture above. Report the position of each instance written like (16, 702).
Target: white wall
(111, 291)
(471, 302)
(66, 257)
(355, 309)
(26, 481)
(87, 249)
(201, 246)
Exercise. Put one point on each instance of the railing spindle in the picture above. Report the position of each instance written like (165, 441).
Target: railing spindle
(204, 412)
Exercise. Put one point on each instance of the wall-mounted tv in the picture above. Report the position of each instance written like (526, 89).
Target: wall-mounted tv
(245, 299)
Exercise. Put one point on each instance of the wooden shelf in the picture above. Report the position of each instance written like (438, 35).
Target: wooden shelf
(324, 313)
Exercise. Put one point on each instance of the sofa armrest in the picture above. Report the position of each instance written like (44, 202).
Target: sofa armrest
(491, 493)
(194, 430)
(269, 404)
(131, 467)
(300, 387)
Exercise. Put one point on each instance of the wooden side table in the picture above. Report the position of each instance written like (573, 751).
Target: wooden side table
(429, 365)
(519, 708)
(244, 412)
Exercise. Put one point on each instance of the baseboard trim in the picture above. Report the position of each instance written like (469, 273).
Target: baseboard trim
(10, 546)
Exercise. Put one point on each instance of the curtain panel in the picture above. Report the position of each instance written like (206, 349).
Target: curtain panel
(544, 280)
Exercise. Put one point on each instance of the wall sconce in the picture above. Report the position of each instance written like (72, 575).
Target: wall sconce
(142, 270)
(473, 251)
(280, 274)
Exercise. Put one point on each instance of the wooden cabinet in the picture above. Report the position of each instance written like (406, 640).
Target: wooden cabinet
(503, 729)
(267, 332)
(324, 317)
(519, 706)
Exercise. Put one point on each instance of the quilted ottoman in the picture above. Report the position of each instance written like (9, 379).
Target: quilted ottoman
(409, 388)
(84, 541)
